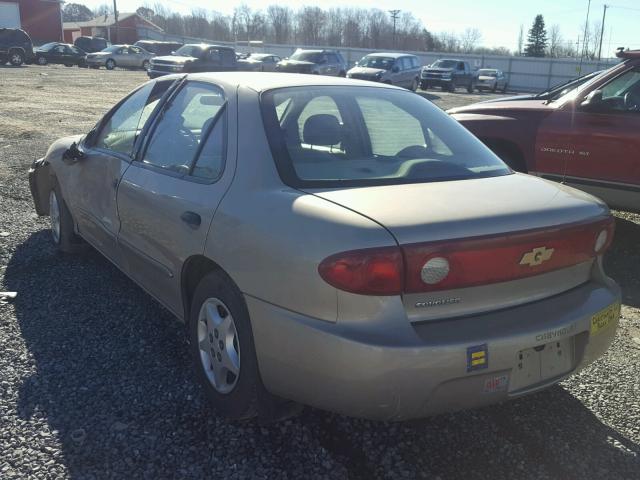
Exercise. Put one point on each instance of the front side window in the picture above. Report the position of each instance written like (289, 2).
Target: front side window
(121, 130)
(357, 136)
(623, 92)
(193, 118)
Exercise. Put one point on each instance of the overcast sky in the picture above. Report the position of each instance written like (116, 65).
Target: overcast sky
(498, 20)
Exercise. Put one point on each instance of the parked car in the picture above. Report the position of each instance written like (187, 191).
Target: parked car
(259, 62)
(394, 68)
(123, 56)
(91, 44)
(15, 47)
(336, 243)
(157, 47)
(319, 62)
(448, 74)
(60, 53)
(587, 138)
(553, 92)
(195, 58)
(491, 79)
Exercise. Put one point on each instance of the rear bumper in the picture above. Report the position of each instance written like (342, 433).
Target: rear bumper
(422, 369)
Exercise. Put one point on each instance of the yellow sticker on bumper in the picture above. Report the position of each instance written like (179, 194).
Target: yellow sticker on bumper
(604, 318)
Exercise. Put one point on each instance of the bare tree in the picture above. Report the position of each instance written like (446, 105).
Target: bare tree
(555, 41)
(470, 39)
(310, 22)
(280, 19)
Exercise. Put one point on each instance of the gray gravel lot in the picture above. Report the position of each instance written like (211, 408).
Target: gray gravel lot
(95, 380)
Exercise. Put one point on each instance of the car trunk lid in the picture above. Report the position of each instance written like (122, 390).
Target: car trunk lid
(510, 216)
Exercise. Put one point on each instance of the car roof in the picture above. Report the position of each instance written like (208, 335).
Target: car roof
(262, 81)
(207, 45)
(628, 54)
(389, 54)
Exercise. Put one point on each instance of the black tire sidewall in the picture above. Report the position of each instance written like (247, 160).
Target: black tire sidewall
(41, 61)
(110, 64)
(242, 401)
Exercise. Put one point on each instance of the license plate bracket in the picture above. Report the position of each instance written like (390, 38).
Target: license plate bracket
(542, 363)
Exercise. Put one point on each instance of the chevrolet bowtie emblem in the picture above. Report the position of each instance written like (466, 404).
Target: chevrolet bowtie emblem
(536, 256)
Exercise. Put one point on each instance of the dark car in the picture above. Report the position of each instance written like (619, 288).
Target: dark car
(319, 62)
(393, 68)
(448, 73)
(15, 47)
(199, 57)
(157, 47)
(60, 53)
(91, 44)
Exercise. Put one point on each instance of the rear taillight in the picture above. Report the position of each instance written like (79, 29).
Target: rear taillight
(445, 265)
(485, 260)
(371, 271)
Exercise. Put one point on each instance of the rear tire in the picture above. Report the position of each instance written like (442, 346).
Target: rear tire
(16, 58)
(504, 89)
(145, 65)
(470, 88)
(110, 64)
(218, 302)
(414, 85)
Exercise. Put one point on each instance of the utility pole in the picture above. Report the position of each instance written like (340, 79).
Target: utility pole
(584, 41)
(394, 14)
(115, 16)
(604, 15)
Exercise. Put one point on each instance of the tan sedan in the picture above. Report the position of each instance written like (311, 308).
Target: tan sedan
(124, 56)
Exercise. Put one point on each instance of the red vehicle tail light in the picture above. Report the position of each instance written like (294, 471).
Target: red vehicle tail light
(371, 271)
(505, 257)
(444, 265)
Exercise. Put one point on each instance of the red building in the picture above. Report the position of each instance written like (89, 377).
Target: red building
(131, 27)
(41, 19)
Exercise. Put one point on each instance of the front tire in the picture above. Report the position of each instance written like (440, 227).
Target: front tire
(41, 60)
(62, 232)
(110, 64)
(221, 344)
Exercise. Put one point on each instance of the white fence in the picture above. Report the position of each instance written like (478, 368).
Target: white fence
(525, 74)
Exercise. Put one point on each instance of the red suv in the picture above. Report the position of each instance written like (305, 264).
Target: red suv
(588, 138)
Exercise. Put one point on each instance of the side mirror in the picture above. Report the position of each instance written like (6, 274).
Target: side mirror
(72, 154)
(593, 101)
(395, 69)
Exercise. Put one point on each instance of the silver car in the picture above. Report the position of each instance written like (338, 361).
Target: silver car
(491, 79)
(336, 243)
(124, 56)
(259, 62)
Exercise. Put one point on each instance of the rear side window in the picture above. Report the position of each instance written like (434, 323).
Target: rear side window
(191, 128)
(358, 136)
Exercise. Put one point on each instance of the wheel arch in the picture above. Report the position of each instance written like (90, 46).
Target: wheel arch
(194, 269)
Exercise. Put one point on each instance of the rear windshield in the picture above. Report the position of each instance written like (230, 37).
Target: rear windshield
(190, 51)
(334, 136)
(487, 73)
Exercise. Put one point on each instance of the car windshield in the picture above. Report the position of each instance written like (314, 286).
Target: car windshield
(358, 136)
(112, 49)
(189, 51)
(371, 61)
(561, 89)
(258, 56)
(313, 57)
(487, 73)
(48, 46)
(445, 64)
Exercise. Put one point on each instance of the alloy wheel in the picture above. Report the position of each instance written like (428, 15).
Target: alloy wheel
(42, 61)
(54, 216)
(219, 345)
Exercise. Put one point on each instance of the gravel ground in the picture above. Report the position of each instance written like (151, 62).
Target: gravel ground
(95, 380)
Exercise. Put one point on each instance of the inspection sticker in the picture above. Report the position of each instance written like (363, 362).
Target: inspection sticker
(604, 318)
(477, 357)
(496, 384)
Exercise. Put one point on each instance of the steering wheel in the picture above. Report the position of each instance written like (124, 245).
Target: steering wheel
(632, 100)
(188, 140)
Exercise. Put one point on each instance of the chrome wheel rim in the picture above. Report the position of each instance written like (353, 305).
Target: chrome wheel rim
(54, 216)
(110, 64)
(219, 345)
(16, 58)
(42, 61)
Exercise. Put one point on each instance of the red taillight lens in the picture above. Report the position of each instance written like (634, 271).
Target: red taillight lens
(494, 259)
(371, 271)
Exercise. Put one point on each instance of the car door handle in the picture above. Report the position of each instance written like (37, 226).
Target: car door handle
(192, 219)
